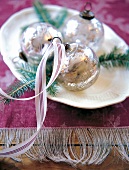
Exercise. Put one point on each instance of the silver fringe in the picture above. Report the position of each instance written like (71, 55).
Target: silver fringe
(71, 145)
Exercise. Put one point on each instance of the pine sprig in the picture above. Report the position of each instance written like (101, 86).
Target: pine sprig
(42, 13)
(27, 70)
(44, 16)
(115, 59)
(18, 88)
(53, 89)
(61, 18)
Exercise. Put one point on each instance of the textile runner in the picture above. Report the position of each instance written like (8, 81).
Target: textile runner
(64, 125)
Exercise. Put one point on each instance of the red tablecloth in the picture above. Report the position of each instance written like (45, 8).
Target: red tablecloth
(21, 114)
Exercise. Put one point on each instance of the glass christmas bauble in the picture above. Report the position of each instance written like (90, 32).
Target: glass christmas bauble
(36, 39)
(83, 28)
(80, 69)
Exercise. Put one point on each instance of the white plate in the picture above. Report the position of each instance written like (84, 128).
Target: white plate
(112, 85)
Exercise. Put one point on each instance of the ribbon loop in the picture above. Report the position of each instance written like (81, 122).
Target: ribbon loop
(40, 96)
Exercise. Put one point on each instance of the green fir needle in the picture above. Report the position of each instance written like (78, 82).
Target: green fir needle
(115, 59)
(61, 18)
(42, 13)
(18, 88)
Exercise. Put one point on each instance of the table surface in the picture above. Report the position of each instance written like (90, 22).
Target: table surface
(111, 163)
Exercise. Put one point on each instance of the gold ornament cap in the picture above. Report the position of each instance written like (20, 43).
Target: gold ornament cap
(87, 13)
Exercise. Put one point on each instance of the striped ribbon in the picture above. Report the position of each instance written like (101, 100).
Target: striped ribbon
(40, 96)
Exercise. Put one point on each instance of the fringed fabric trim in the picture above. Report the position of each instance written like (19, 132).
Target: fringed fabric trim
(71, 145)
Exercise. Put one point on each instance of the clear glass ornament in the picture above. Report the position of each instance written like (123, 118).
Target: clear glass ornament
(36, 39)
(84, 28)
(80, 69)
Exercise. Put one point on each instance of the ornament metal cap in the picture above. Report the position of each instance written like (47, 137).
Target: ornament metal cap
(87, 13)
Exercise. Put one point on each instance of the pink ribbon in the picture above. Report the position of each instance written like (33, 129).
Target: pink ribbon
(40, 97)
